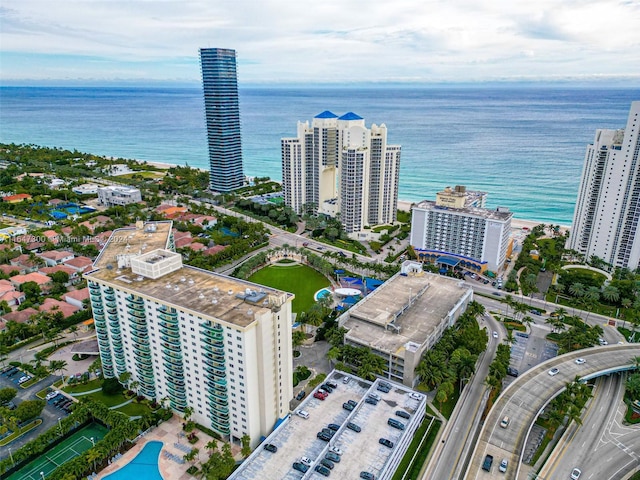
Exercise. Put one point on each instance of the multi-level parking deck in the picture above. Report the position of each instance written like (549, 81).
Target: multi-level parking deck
(361, 451)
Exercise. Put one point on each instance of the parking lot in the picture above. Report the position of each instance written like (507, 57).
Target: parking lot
(529, 350)
(360, 451)
(49, 415)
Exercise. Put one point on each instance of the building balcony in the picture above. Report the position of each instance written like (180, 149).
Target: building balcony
(173, 357)
(220, 426)
(173, 333)
(136, 313)
(178, 405)
(215, 351)
(213, 342)
(176, 392)
(173, 374)
(169, 325)
(145, 377)
(215, 371)
(222, 397)
(170, 347)
(173, 341)
(133, 299)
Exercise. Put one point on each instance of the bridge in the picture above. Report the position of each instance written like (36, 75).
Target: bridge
(526, 397)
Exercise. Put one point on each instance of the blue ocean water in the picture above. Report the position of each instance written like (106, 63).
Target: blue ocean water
(524, 145)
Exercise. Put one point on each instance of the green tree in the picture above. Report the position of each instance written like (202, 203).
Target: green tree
(297, 339)
(246, 445)
(7, 394)
(28, 409)
(125, 378)
(111, 386)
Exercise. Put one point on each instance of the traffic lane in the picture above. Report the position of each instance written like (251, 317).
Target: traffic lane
(529, 393)
(597, 418)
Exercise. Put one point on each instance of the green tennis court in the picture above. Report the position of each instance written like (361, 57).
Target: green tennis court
(68, 449)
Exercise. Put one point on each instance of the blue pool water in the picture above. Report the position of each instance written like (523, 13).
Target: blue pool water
(143, 466)
(322, 293)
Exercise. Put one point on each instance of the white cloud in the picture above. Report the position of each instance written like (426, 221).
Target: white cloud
(331, 40)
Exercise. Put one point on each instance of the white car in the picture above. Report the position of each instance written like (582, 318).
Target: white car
(575, 474)
(495, 334)
(503, 465)
(50, 395)
(415, 396)
(580, 361)
(554, 371)
(346, 379)
(24, 379)
(307, 461)
(302, 413)
(335, 450)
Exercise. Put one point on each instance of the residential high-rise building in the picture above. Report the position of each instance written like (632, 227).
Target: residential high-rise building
(222, 112)
(457, 228)
(198, 339)
(605, 221)
(337, 165)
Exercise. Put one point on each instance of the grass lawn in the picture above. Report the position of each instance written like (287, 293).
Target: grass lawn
(108, 400)
(30, 426)
(300, 280)
(134, 409)
(413, 468)
(79, 388)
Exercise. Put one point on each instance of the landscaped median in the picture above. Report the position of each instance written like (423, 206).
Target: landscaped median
(21, 431)
(419, 449)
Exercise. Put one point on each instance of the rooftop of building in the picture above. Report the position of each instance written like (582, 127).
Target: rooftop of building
(188, 288)
(500, 214)
(326, 114)
(119, 189)
(406, 308)
(350, 116)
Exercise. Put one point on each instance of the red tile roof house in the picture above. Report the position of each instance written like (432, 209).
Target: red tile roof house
(213, 250)
(205, 221)
(43, 281)
(76, 297)
(20, 197)
(25, 263)
(34, 246)
(20, 316)
(196, 246)
(9, 269)
(183, 242)
(52, 236)
(55, 201)
(56, 257)
(74, 276)
(52, 305)
(81, 263)
(13, 298)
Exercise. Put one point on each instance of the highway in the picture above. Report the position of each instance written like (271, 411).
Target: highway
(603, 448)
(458, 433)
(526, 397)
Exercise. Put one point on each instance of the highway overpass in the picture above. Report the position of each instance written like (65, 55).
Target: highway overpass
(524, 399)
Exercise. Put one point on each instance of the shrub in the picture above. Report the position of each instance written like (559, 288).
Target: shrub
(111, 386)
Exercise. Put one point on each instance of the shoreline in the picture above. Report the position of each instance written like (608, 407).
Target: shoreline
(405, 205)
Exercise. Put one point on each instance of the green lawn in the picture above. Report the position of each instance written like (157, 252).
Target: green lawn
(108, 400)
(134, 409)
(79, 388)
(300, 280)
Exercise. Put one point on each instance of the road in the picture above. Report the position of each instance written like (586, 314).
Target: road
(459, 433)
(528, 394)
(603, 448)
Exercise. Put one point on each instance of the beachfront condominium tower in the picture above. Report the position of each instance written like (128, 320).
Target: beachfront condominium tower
(190, 337)
(337, 165)
(222, 113)
(605, 222)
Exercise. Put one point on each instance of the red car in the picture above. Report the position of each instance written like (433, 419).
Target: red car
(319, 396)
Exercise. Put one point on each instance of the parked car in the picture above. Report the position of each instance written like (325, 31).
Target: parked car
(383, 388)
(323, 436)
(334, 426)
(346, 379)
(335, 450)
(370, 401)
(348, 406)
(352, 402)
(270, 447)
(488, 461)
(326, 388)
(333, 385)
(302, 413)
(334, 457)
(415, 396)
(306, 461)
(386, 442)
(402, 414)
(319, 395)
(375, 396)
(301, 395)
(367, 476)
(354, 427)
(51, 395)
(512, 372)
(503, 465)
(395, 424)
(327, 463)
(322, 470)
(301, 467)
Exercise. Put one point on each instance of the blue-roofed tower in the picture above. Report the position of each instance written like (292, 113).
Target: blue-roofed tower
(336, 165)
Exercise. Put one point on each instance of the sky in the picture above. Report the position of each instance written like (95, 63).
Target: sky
(325, 41)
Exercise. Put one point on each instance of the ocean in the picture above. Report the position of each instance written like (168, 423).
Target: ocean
(524, 145)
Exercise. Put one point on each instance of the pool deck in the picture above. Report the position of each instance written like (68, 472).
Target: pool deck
(168, 433)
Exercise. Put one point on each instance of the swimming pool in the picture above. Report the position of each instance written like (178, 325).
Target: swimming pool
(325, 292)
(143, 466)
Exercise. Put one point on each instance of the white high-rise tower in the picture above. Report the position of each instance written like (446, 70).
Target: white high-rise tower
(339, 166)
(605, 222)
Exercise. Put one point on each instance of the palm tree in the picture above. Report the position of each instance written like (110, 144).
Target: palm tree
(58, 366)
(74, 329)
(92, 456)
(124, 378)
(297, 339)
(577, 289)
(611, 294)
(561, 312)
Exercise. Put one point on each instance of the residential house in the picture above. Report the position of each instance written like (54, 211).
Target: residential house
(25, 263)
(80, 264)
(17, 198)
(20, 316)
(74, 276)
(77, 297)
(51, 305)
(56, 257)
(43, 281)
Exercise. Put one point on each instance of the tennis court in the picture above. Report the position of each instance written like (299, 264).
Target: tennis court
(68, 449)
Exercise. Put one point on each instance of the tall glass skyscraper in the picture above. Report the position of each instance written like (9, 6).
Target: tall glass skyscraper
(220, 86)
